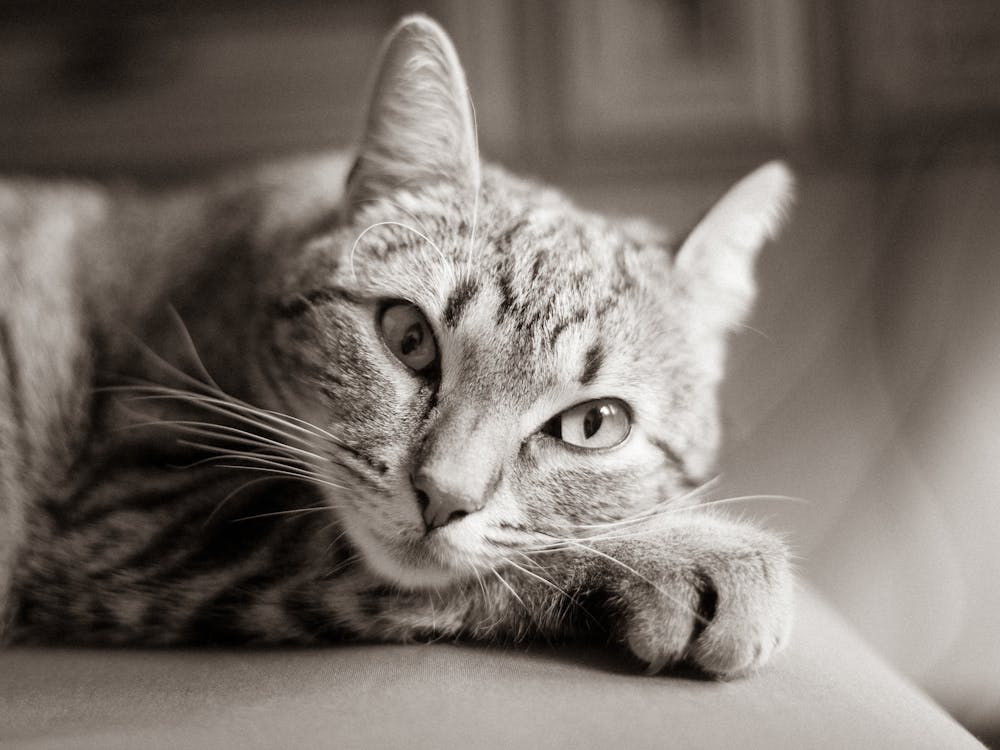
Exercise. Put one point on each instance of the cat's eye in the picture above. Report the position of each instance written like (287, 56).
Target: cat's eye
(408, 335)
(601, 423)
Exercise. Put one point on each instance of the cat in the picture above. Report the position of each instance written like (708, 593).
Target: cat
(407, 396)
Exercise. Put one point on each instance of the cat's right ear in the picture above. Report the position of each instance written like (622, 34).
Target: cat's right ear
(715, 263)
(420, 121)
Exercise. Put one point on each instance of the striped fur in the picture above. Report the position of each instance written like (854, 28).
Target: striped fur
(204, 438)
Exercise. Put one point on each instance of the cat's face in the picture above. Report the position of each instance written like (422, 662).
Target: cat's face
(497, 370)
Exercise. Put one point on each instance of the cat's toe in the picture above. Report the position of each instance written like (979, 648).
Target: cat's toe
(659, 644)
(663, 622)
(753, 621)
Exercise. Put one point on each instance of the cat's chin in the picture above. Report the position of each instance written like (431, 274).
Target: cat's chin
(423, 562)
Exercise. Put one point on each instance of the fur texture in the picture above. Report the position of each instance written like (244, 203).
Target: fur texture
(206, 436)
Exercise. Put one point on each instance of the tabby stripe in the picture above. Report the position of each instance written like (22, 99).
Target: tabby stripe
(494, 482)
(536, 267)
(592, 364)
(458, 301)
(189, 529)
(576, 318)
(229, 541)
(303, 606)
(601, 310)
(377, 464)
(507, 298)
(94, 507)
(358, 475)
(15, 395)
(165, 543)
(504, 240)
(674, 458)
(621, 264)
(216, 620)
(534, 321)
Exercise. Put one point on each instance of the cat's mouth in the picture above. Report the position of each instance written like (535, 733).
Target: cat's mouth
(421, 559)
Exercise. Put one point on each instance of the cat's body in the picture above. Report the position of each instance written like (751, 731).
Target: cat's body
(441, 349)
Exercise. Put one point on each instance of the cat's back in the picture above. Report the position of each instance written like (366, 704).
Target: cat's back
(43, 224)
(43, 357)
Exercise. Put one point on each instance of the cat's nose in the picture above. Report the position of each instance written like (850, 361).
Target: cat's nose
(441, 501)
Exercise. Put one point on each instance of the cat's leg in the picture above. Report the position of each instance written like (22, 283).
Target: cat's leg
(710, 592)
(703, 590)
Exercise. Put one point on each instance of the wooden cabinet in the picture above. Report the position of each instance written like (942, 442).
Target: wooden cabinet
(565, 88)
(917, 63)
(647, 79)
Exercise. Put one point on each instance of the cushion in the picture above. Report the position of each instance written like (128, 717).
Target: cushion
(828, 689)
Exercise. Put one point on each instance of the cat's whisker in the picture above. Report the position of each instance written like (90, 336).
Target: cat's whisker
(278, 472)
(333, 542)
(548, 582)
(400, 224)
(510, 588)
(233, 493)
(246, 414)
(227, 433)
(666, 505)
(632, 526)
(399, 207)
(752, 498)
(288, 420)
(628, 568)
(242, 418)
(292, 512)
(260, 458)
(754, 330)
(477, 186)
(189, 342)
(276, 450)
(158, 359)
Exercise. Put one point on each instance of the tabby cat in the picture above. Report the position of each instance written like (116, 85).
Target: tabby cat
(413, 398)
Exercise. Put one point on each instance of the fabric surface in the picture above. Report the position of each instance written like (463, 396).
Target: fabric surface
(827, 690)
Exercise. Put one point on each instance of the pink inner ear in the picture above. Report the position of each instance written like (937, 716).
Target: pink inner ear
(420, 122)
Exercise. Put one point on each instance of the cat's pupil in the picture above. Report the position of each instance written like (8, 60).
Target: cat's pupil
(413, 337)
(592, 422)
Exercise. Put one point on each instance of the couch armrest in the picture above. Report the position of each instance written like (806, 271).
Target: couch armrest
(828, 689)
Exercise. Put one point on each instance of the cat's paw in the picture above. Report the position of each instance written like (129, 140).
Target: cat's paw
(726, 611)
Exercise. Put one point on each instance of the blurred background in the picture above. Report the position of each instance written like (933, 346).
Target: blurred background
(868, 380)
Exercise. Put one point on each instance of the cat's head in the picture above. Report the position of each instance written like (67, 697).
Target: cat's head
(496, 369)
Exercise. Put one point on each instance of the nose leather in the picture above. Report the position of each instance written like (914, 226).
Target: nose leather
(460, 462)
(442, 501)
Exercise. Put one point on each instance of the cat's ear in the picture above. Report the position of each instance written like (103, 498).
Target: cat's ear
(715, 264)
(420, 122)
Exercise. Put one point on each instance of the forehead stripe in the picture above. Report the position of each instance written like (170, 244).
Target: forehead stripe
(459, 299)
(592, 364)
(576, 317)
(507, 301)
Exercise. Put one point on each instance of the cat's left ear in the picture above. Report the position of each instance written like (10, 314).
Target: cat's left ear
(715, 265)
(420, 123)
